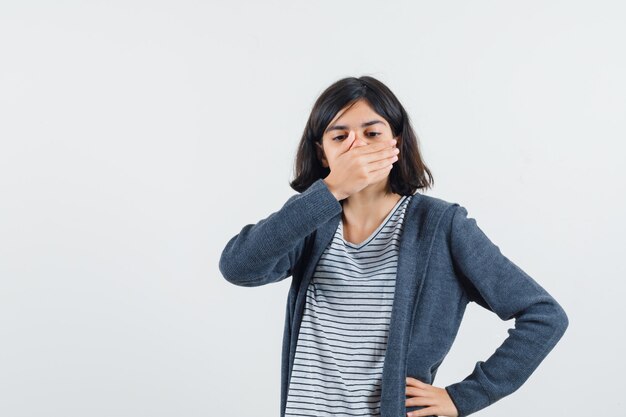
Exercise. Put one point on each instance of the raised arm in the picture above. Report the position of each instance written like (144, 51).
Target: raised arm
(500, 286)
(268, 251)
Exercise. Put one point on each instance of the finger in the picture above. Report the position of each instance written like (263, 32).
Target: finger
(387, 153)
(424, 412)
(376, 147)
(380, 173)
(413, 401)
(418, 392)
(386, 163)
(417, 383)
(349, 142)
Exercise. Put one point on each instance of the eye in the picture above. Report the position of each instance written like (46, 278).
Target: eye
(373, 134)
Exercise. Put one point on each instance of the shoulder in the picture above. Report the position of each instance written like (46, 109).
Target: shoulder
(432, 200)
(432, 204)
(446, 214)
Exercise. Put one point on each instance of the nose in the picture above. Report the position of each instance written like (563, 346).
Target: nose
(359, 141)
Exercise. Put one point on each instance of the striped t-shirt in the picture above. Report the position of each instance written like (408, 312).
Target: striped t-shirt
(337, 369)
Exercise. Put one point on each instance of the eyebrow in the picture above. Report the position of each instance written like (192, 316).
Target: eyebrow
(344, 127)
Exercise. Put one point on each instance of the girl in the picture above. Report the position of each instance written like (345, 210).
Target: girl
(382, 273)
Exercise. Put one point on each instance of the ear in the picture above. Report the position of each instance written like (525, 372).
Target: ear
(320, 154)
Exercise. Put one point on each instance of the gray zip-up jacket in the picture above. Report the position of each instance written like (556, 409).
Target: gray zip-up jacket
(445, 261)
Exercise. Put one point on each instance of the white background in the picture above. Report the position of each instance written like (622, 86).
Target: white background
(136, 138)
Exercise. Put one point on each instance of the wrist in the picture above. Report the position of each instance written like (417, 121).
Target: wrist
(338, 195)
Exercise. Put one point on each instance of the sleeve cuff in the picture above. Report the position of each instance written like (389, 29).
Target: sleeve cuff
(468, 397)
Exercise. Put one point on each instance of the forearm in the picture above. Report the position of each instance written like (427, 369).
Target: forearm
(537, 330)
(267, 251)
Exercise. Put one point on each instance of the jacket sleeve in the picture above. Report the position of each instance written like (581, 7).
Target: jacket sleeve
(499, 285)
(267, 251)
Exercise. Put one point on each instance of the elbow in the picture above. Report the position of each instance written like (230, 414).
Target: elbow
(229, 269)
(556, 319)
(236, 273)
(561, 318)
(548, 318)
(224, 268)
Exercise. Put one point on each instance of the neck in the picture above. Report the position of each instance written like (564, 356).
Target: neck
(369, 204)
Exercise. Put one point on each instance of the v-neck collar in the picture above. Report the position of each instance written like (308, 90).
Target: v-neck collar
(375, 232)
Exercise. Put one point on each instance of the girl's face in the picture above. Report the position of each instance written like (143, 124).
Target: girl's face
(368, 126)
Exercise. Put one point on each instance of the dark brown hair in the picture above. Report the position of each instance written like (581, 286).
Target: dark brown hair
(408, 174)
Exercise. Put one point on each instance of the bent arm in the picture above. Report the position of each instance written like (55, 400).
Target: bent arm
(268, 251)
(499, 285)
